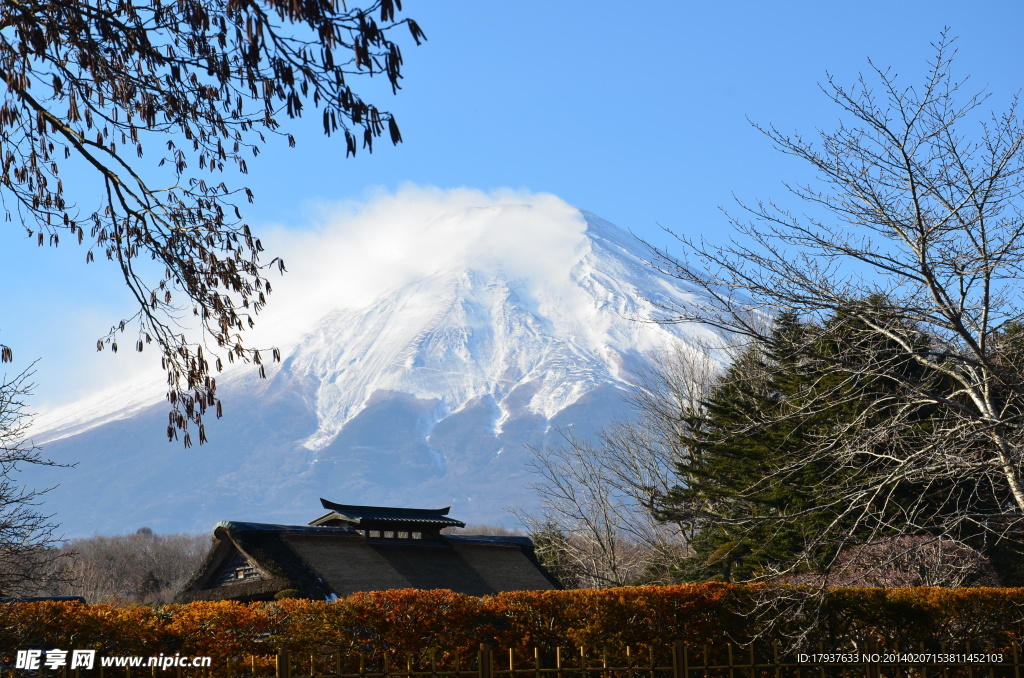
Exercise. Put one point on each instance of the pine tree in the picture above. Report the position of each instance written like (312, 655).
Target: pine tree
(916, 198)
(770, 479)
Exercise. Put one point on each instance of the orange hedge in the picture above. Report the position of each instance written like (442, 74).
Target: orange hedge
(406, 622)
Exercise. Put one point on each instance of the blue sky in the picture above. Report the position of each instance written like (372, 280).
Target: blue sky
(635, 111)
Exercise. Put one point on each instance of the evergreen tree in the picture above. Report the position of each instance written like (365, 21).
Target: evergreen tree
(770, 483)
(910, 204)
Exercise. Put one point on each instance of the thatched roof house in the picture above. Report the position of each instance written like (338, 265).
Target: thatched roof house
(361, 548)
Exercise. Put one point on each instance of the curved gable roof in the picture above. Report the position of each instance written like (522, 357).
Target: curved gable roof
(387, 514)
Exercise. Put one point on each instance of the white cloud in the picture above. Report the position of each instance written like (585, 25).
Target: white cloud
(355, 251)
(345, 255)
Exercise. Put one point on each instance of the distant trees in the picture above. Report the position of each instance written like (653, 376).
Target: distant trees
(914, 241)
(95, 84)
(489, 530)
(138, 568)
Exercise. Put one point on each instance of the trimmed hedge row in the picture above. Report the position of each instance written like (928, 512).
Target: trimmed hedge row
(415, 622)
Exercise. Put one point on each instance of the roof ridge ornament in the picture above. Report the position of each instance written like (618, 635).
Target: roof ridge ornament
(387, 518)
(356, 510)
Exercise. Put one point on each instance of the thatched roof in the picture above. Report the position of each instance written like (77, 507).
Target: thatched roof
(264, 549)
(255, 561)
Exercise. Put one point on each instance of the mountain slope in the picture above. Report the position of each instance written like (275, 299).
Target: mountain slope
(428, 395)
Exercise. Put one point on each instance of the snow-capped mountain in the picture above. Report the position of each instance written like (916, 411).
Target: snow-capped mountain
(428, 394)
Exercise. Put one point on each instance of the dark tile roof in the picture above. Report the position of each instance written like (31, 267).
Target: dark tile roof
(387, 514)
(236, 526)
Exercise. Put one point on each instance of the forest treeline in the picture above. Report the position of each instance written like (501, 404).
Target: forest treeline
(143, 567)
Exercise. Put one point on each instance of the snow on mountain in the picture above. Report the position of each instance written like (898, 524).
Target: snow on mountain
(425, 394)
(466, 333)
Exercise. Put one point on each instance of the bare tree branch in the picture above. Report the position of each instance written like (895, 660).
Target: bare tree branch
(600, 500)
(27, 535)
(97, 83)
(914, 233)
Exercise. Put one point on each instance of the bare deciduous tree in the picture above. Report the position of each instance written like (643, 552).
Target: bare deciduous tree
(578, 501)
(600, 499)
(914, 233)
(643, 455)
(95, 84)
(27, 535)
(904, 561)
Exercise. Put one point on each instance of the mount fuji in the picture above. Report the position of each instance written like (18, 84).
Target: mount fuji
(484, 326)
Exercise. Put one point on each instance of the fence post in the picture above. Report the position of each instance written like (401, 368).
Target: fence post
(872, 669)
(283, 670)
(680, 660)
(485, 660)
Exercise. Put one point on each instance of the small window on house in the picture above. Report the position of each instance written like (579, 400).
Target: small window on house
(417, 535)
(375, 533)
(239, 574)
(389, 534)
(403, 535)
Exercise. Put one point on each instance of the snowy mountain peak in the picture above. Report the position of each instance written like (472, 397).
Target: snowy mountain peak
(462, 329)
(472, 331)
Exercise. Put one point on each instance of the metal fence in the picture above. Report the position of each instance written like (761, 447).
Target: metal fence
(678, 661)
(675, 661)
